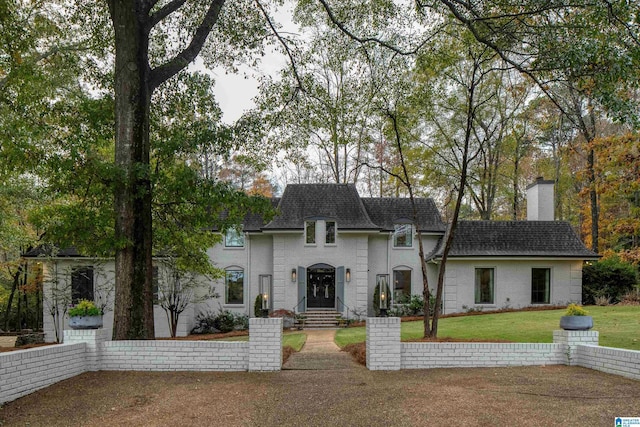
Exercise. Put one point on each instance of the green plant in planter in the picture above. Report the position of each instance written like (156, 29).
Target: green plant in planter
(575, 310)
(576, 319)
(84, 308)
(85, 315)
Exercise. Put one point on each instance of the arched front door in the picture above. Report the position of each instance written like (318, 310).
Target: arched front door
(321, 286)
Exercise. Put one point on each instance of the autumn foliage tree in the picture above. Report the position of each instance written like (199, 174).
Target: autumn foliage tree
(618, 169)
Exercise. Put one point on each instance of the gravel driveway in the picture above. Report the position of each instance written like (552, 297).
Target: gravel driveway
(531, 396)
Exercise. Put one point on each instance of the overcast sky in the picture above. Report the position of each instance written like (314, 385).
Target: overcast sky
(235, 92)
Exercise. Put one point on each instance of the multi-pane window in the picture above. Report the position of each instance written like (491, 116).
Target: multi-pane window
(540, 285)
(234, 287)
(401, 286)
(330, 232)
(234, 238)
(81, 284)
(484, 289)
(310, 232)
(402, 236)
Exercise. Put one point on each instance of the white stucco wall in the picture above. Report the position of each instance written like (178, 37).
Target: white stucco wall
(512, 283)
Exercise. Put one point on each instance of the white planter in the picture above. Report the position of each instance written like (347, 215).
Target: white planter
(576, 323)
(85, 322)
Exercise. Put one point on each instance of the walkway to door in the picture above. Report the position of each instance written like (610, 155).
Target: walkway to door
(320, 352)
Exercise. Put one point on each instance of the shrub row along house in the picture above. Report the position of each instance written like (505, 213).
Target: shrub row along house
(327, 247)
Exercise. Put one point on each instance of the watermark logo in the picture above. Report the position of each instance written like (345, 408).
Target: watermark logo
(627, 422)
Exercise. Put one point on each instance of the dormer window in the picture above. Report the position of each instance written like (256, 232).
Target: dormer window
(310, 232)
(330, 232)
(234, 238)
(402, 236)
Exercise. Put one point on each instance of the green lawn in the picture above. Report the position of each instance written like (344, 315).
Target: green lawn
(618, 327)
(293, 339)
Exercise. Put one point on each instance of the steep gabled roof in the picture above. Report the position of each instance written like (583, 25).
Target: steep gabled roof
(385, 212)
(515, 239)
(339, 202)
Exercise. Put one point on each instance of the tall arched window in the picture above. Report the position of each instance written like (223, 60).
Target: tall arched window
(401, 285)
(234, 286)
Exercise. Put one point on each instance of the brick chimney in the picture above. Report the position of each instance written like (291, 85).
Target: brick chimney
(540, 200)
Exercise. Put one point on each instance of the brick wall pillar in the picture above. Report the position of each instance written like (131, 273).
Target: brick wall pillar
(572, 339)
(93, 338)
(383, 344)
(265, 344)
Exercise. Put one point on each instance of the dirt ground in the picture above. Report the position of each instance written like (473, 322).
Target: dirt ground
(532, 396)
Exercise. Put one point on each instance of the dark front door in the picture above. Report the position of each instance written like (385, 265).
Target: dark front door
(321, 286)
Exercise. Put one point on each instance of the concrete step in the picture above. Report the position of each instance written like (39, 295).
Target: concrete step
(321, 319)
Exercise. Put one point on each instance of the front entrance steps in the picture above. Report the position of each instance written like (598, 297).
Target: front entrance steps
(321, 319)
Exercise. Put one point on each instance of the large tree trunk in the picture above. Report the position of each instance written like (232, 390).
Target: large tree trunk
(133, 311)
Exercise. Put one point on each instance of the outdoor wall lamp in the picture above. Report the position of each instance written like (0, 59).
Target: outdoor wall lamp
(294, 275)
(348, 275)
(383, 286)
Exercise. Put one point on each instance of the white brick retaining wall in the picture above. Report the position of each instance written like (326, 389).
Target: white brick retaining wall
(25, 371)
(422, 355)
(611, 360)
(576, 348)
(174, 356)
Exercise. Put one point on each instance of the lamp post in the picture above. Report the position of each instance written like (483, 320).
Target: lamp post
(383, 286)
(265, 288)
(265, 305)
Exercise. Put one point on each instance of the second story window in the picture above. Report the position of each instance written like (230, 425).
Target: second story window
(330, 232)
(402, 236)
(310, 232)
(234, 238)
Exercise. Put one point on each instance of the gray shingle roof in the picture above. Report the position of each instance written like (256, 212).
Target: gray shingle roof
(385, 212)
(516, 238)
(339, 202)
(51, 251)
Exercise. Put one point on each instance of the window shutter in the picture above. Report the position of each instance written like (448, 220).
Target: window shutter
(302, 289)
(340, 287)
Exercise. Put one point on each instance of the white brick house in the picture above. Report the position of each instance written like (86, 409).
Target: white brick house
(326, 247)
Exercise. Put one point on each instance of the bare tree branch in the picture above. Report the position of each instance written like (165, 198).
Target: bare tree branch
(283, 43)
(164, 11)
(365, 40)
(163, 72)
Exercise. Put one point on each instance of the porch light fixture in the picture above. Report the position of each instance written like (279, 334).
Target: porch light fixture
(383, 286)
(294, 275)
(348, 275)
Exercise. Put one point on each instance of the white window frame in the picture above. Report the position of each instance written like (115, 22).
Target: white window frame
(231, 234)
(306, 232)
(335, 233)
(233, 269)
(393, 287)
(493, 285)
(549, 284)
(408, 234)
